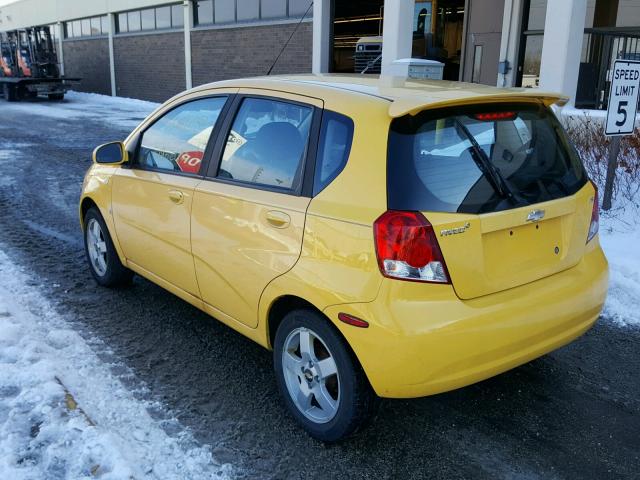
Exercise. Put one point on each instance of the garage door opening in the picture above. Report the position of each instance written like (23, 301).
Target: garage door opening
(357, 35)
(357, 25)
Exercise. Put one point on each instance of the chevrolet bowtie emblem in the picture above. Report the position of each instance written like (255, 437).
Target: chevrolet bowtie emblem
(535, 215)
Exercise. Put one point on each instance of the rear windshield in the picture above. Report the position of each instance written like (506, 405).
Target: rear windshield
(480, 159)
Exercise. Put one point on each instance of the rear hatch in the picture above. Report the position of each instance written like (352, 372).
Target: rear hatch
(505, 192)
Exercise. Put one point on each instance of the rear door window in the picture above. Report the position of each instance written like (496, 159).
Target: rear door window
(267, 144)
(480, 159)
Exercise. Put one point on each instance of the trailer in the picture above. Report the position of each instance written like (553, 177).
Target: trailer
(29, 65)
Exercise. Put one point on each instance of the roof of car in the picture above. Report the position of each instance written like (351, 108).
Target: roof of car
(405, 96)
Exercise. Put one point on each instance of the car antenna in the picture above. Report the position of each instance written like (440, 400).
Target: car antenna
(290, 37)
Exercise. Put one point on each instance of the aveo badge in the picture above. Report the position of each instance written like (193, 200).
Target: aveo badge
(455, 231)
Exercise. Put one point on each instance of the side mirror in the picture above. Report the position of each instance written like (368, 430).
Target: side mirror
(112, 153)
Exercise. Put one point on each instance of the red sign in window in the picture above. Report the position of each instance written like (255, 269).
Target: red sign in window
(189, 162)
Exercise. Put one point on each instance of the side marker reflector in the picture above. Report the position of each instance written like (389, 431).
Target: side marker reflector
(351, 320)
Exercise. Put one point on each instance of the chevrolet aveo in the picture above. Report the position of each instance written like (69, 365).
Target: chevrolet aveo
(384, 238)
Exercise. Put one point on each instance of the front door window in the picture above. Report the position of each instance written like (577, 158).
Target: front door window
(176, 142)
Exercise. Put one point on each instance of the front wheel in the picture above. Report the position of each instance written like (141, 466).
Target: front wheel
(56, 97)
(322, 384)
(103, 259)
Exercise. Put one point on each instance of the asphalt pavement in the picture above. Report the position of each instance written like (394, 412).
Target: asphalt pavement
(573, 414)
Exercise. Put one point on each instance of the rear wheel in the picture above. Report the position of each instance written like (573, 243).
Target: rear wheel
(56, 96)
(103, 259)
(322, 384)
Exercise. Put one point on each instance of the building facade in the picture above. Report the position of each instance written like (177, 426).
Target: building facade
(152, 49)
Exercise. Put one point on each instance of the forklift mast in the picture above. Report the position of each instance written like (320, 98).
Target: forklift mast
(8, 59)
(36, 54)
(23, 54)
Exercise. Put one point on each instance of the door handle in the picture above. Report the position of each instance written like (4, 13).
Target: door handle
(278, 219)
(176, 196)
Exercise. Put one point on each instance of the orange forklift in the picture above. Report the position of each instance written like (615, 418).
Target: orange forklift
(29, 65)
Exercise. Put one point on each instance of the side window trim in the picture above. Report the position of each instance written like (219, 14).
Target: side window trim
(305, 188)
(221, 138)
(210, 143)
(309, 173)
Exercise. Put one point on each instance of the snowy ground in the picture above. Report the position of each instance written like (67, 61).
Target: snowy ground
(620, 239)
(64, 415)
(124, 112)
(65, 412)
(619, 230)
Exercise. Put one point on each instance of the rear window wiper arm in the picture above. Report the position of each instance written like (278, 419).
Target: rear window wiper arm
(493, 174)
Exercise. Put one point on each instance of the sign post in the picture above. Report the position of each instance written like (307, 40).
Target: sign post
(621, 115)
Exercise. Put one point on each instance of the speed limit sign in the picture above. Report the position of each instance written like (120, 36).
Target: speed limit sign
(621, 116)
(623, 98)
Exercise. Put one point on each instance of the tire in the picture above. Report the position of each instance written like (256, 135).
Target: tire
(102, 257)
(10, 93)
(300, 373)
(57, 97)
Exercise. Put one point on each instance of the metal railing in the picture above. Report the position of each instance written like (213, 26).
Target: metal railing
(600, 48)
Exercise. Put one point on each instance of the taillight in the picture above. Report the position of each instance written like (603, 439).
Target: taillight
(595, 215)
(407, 248)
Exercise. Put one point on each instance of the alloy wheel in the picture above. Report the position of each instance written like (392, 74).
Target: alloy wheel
(311, 375)
(97, 247)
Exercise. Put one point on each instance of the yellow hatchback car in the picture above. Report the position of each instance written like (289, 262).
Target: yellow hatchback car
(385, 238)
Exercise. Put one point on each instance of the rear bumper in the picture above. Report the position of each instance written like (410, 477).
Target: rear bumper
(424, 340)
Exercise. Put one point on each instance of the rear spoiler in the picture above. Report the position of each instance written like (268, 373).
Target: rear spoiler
(411, 105)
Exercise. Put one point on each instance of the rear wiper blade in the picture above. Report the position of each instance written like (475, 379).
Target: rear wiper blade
(493, 174)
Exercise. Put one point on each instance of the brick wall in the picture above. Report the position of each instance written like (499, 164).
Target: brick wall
(89, 60)
(219, 54)
(149, 67)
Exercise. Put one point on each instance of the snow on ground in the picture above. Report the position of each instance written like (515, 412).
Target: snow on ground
(620, 239)
(573, 113)
(62, 412)
(124, 112)
(619, 228)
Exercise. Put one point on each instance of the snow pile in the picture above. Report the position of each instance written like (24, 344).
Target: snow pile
(620, 239)
(130, 104)
(567, 114)
(122, 112)
(620, 227)
(64, 415)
